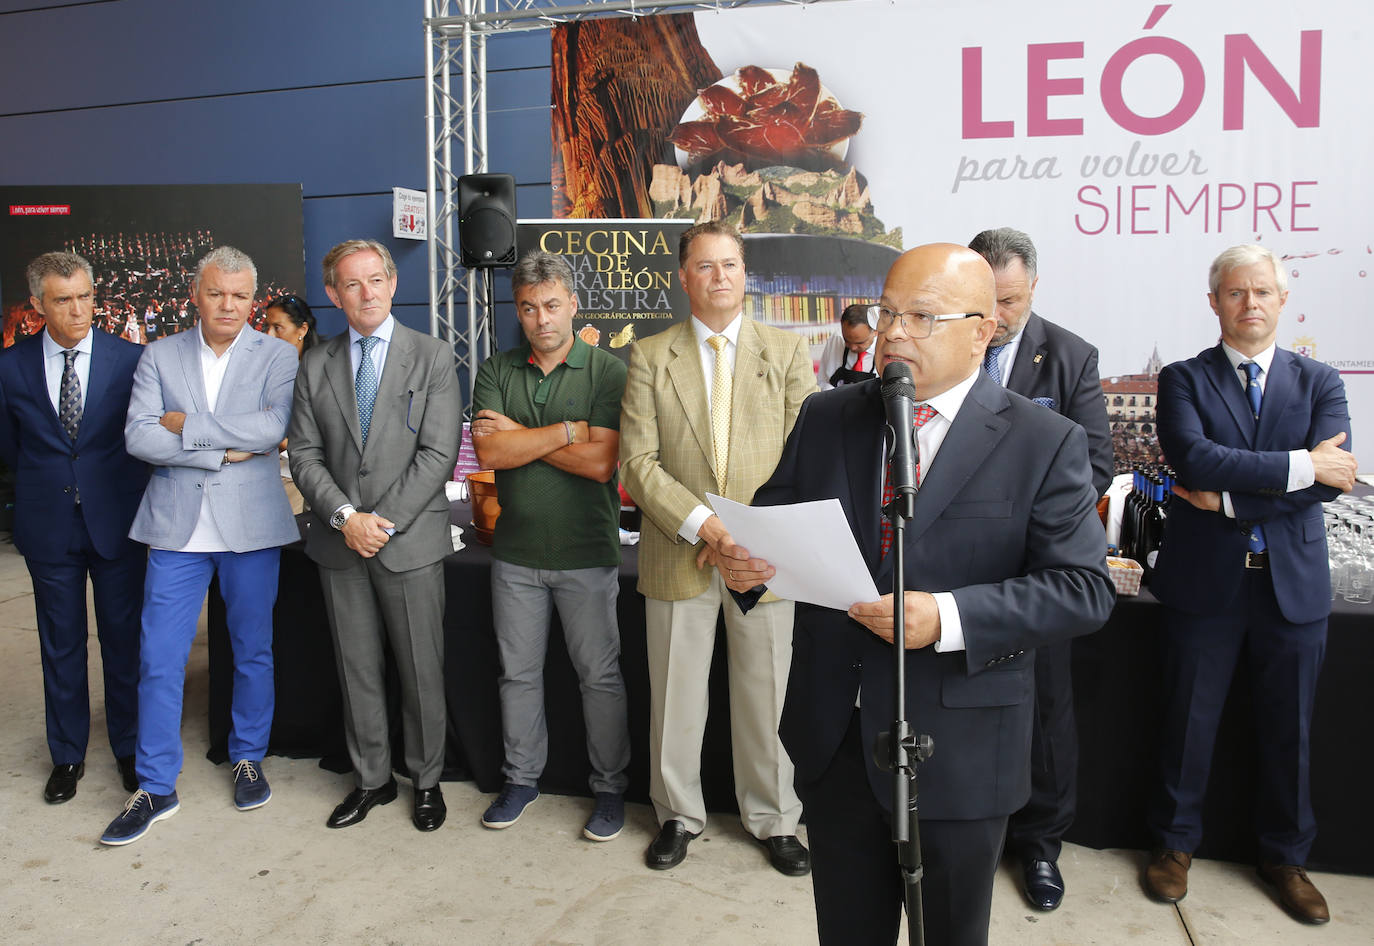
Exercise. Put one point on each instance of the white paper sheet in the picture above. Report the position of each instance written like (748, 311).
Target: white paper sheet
(810, 546)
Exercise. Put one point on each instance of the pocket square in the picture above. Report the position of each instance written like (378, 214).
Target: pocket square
(1046, 402)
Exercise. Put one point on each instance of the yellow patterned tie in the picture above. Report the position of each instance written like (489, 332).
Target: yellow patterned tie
(721, 385)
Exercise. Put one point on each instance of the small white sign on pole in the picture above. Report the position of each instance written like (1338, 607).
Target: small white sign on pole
(408, 220)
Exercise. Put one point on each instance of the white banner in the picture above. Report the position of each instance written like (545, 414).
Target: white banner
(1132, 141)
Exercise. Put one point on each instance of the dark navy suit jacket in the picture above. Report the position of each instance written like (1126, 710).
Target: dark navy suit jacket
(49, 468)
(1006, 520)
(1056, 368)
(1212, 440)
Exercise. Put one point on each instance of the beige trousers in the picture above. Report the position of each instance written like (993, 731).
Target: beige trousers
(681, 639)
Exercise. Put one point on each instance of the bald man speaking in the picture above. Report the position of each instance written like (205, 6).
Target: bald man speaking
(1003, 555)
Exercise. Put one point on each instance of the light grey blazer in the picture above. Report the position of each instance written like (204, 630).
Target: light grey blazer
(412, 445)
(254, 406)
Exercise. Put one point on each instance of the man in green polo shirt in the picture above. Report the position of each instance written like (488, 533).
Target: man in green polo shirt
(548, 421)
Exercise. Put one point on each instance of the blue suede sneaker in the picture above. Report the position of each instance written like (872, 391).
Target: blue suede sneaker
(607, 818)
(250, 785)
(141, 812)
(509, 805)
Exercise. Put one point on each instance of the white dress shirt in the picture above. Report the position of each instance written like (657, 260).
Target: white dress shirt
(690, 525)
(1301, 473)
(383, 336)
(54, 362)
(834, 354)
(206, 537)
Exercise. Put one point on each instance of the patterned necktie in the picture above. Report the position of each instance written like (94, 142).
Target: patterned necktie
(992, 362)
(1254, 395)
(721, 387)
(365, 384)
(69, 396)
(923, 414)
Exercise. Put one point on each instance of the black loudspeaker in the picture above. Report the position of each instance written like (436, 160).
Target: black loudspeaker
(486, 220)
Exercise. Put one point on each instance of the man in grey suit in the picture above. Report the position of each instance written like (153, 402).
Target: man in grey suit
(208, 408)
(373, 439)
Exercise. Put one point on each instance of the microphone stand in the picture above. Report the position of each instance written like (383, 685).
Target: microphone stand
(899, 750)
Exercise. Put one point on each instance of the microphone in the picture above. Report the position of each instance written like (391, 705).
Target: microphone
(899, 402)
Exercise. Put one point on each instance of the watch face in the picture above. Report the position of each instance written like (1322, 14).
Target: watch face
(337, 520)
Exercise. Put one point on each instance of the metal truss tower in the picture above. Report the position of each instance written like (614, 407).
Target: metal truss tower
(456, 33)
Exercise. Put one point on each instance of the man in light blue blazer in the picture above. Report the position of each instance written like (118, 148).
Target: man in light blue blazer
(208, 408)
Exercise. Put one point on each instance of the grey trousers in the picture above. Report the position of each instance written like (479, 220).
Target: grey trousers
(585, 598)
(369, 607)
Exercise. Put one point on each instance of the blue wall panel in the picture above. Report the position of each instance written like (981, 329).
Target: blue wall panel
(328, 94)
(338, 140)
(148, 50)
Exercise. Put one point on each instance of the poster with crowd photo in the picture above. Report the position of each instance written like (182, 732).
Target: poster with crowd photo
(1133, 142)
(624, 275)
(143, 243)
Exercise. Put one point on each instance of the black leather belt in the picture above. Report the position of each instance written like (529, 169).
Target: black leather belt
(1257, 559)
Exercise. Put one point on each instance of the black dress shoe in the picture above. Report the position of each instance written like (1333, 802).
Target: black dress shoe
(430, 810)
(670, 847)
(787, 855)
(127, 774)
(1044, 884)
(359, 802)
(62, 783)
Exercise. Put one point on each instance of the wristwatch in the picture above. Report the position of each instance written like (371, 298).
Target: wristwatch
(341, 516)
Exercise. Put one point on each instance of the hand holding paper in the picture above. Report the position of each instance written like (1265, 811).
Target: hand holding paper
(807, 547)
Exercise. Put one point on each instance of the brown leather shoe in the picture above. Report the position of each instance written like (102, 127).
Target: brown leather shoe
(1296, 892)
(1166, 876)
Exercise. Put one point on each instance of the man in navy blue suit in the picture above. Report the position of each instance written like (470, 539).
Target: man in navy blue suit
(1052, 366)
(1255, 434)
(63, 394)
(1004, 554)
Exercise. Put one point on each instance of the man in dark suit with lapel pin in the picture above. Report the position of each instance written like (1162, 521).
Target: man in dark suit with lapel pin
(1052, 366)
(1004, 554)
(63, 395)
(373, 439)
(207, 410)
(1257, 435)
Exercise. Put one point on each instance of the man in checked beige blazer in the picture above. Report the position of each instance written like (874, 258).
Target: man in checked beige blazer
(669, 461)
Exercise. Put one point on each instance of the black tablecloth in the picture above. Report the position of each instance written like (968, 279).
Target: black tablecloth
(1116, 682)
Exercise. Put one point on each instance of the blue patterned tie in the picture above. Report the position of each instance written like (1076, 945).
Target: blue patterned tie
(365, 384)
(1254, 395)
(992, 362)
(69, 396)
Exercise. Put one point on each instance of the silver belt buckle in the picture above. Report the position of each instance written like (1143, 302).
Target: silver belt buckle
(1257, 559)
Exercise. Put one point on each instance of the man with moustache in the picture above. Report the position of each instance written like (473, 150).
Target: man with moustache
(374, 437)
(1038, 359)
(63, 396)
(707, 406)
(208, 408)
(548, 421)
(1004, 554)
(1257, 435)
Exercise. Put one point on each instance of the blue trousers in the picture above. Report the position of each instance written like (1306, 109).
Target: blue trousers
(172, 597)
(1201, 653)
(59, 594)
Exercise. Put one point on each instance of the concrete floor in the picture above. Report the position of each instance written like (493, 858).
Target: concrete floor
(213, 875)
